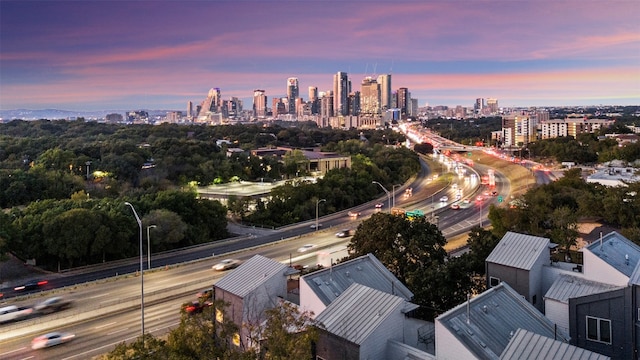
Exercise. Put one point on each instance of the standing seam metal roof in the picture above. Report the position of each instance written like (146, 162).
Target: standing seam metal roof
(494, 316)
(617, 251)
(250, 275)
(367, 270)
(567, 287)
(518, 250)
(526, 345)
(358, 311)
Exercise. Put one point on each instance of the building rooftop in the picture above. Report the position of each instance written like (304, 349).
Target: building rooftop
(526, 345)
(486, 323)
(518, 250)
(617, 251)
(566, 287)
(358, 311)
(251, 275)
(367, 270)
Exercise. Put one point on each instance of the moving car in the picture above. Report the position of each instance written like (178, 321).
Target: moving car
(12, 313)
(51, 339)
(455, 206)
(31, 285)
(195, 307)
(379, 205)
(354, 214)
(313, 226)
(444, 199)
(53, 304)
(306, 247)
(226, 264)
(344, 233)
(204, 294)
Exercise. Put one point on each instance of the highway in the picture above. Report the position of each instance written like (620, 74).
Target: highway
(107, 307)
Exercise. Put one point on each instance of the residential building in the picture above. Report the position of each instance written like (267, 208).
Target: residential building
(359, 323)
(251, 289)
(518, 260)
(529, 345)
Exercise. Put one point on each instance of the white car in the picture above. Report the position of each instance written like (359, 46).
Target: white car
(51, 339)
(306, 247)
(226, 264)
(444, 199)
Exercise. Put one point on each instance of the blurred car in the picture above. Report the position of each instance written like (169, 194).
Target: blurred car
(379, 205)
(306, 247)
(56, 303)
(31, 285)
(344, 233)
(444, 199)
(226, 264)
(354, 214)
(455, 206)
(196, 307)
(204, 294)
(479, 198)
(486, 193)
(466, 201)
(313, 226)
(51, 339)
(494, 193)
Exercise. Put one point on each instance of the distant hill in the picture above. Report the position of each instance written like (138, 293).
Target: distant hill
(56, 114)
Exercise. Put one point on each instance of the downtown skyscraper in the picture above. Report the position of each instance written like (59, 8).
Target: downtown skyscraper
(385, 91)
(293, 92)
(259, 103)
(341, 90)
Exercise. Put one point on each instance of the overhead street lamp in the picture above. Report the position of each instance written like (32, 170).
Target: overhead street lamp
(317, 204)
(393, 190)
(141, 269)
(149, 246)
(388, 194)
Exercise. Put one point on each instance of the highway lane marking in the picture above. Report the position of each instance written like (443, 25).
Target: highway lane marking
(12, 351)
(110, 345)
(117, 331)
(105, 325)
(30, 357)
(97, 296)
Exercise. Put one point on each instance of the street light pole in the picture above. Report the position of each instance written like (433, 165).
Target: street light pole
(317, 204)
(149, 246)
(388, 194)
(393, 190)
(141, 270)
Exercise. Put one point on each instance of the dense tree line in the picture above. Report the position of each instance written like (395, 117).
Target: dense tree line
(465, 131)
(63, 214)
(553, 210)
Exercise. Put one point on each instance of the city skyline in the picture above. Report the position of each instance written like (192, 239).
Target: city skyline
(162, 54)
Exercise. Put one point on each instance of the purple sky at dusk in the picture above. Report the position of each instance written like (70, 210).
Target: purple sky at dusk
(99, 55)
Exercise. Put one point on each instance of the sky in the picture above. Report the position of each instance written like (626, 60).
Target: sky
(97, 55)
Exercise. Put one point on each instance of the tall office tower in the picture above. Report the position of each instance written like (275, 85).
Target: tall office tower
(394, 100)
(414, 107)
(326, 104)
(341, 90)
(354, 103)
(385, 91)
(211, 103)
(278, 107)
(370, 97)
(189, 109)
(403, 101)
(313, 100)
(492, 104)
(478, 106)
(259, 103)
(293, 92)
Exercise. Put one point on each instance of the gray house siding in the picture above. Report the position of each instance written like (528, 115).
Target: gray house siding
(614, 306)
(518, 279)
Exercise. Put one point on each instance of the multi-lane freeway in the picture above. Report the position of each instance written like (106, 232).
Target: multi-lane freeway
(107, 307)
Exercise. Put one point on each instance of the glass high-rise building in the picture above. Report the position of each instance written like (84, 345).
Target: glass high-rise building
(259, 103)
(403, 101)
(293, 92)
(341, 90)
(385, 91)
(369, 97)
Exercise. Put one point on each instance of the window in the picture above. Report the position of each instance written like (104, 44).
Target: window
(493, 281)
(534, 300)
(599, 329)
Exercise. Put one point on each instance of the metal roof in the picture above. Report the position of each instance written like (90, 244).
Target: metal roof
(486, 323)
(566, 287)
(356, 313)
(617, 251)
(518, 250)
(250, 275)
(526, 345)
(367, 270)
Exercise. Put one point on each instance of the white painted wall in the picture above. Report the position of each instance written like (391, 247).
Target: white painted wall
(309, 301)
(558, 312)
(448, 347)
(374, 346)
(598, 270)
